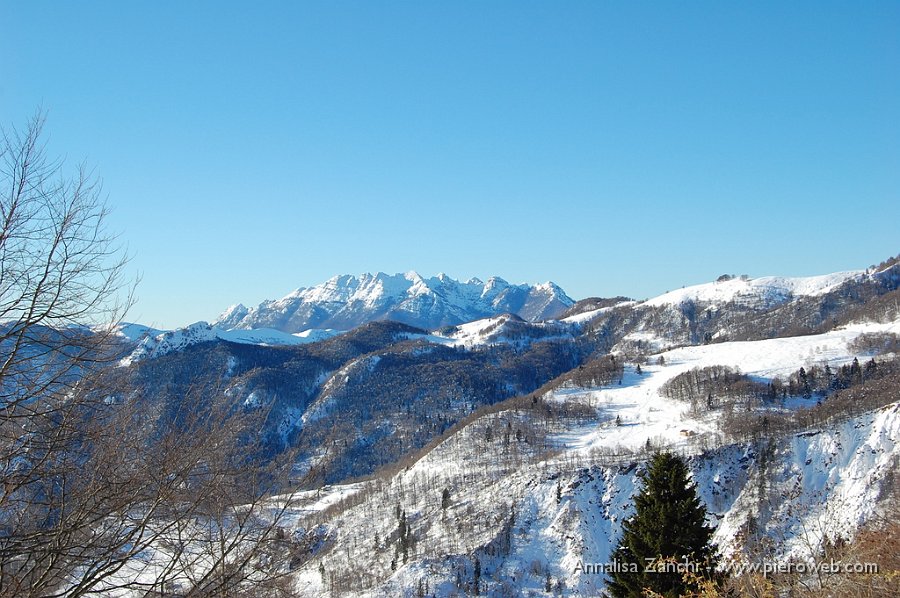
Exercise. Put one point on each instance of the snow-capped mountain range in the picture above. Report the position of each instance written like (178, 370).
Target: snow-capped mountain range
(344, 302)
(518, 445)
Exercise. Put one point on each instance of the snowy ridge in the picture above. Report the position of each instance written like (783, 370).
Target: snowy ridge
(344, 302)
(505, 329)
(765, 291)
(135, 332)
(162, 343)
(586, 316)
(326, 401)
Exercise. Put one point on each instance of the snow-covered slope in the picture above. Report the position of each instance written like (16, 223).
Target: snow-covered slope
(748, 309)
(505, 329)
(344, 302)
(135, 332)
(532, 487)
(649, 415)
(532, 517)
(162, 343)
(587, 316)
(536, 525)
(766, 291)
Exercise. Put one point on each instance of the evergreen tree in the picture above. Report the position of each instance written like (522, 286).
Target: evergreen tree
(476, 577)
(668, 526)
(871, 368)
(855, 372)
(804, 383)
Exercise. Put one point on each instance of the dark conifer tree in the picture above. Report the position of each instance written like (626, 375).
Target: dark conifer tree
(804, 383)
(855, 372)
(477, 577)
(871, 368)
(668, 525)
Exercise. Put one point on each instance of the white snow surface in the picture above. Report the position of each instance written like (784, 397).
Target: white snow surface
(587, 316)
(832, 475)
(135, 332)
(408, 297)
(495, 330)
(766, 291)
(646, 414)
(533, 520)
(470, 334)
(153, 346)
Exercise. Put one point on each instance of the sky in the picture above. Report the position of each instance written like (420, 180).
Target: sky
(615, 148)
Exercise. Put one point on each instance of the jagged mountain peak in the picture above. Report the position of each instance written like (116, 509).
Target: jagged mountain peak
(346, 301)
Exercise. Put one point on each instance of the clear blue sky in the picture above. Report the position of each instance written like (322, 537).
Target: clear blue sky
(614, 147)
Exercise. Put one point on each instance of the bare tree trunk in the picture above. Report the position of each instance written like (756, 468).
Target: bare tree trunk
(98, 494)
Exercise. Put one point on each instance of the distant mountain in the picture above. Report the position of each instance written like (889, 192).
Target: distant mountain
(743, 309)
(398, 386)
(768, 291)
(539, 430)
(156, 343)
(344, 302)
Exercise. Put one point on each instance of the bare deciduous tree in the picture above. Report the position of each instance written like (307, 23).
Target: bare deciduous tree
(98, 495)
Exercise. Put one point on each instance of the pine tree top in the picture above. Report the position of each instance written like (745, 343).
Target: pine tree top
(669, 523)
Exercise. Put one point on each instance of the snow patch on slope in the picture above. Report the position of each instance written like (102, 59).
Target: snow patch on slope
(135, 332)
(587, 316)
(153, 346)
(533, 522)
(766, 291)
